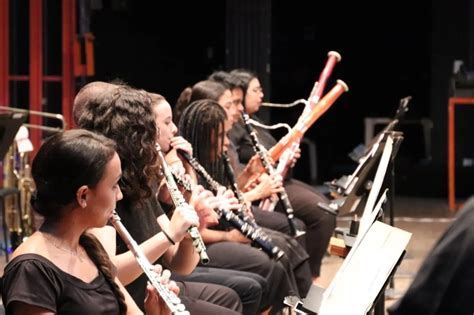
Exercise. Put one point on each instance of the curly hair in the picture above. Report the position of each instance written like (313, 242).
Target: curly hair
(125, 115)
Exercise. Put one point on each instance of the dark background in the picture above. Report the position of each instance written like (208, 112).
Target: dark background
(388, 50)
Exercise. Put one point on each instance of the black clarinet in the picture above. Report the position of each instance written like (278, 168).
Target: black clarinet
(253, 233)
(178, 201)
(229, 172)
(263, 155)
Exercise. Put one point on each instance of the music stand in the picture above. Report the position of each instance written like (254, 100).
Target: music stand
(359, 284)
(358, 183)
(10, 123)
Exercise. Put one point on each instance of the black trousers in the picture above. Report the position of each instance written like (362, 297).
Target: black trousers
(319, 224)
(243, 257)
(205, 298)
(249, 286)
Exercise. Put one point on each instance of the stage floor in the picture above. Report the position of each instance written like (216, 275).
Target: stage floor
(426, 219)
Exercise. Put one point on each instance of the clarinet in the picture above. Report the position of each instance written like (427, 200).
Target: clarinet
(250, 230)
(229, 171)
(263, 155)
(179, 201)
(171, 300)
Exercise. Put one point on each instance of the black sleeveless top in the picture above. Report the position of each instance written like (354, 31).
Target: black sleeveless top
(33, 279)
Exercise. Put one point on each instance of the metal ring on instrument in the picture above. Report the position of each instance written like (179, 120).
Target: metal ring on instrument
(300, 101)
(275, 126)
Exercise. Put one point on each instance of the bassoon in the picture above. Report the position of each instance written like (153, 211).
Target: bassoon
(284, 161)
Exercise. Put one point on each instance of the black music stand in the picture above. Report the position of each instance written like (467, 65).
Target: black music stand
(9, 125)
(355, 186)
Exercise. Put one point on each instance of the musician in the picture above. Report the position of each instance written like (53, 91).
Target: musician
(93, 90)
(304, 199)
(249, 286)
(125, 115)
(443, 284)
(221, 90)
(267, 185)
(62, 269)
(228, 247)
(297, 266)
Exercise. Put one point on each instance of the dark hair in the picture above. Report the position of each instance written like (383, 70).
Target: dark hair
(206, 89)
(200, 124)
(96, 91)
(242, 78)
(126, 116)
(65, 162)
(99, 256)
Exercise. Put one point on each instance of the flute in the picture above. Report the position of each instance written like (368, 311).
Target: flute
(264, 157)
(249, 229)
(169, 297)
(179, 201)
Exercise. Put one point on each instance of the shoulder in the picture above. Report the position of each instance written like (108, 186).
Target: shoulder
(31, 279)
(26, 265)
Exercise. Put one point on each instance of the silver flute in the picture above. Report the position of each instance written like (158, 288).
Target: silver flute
(179, 201)
(172, 301)
(248, 228)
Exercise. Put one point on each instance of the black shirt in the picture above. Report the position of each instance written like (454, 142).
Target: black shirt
(33, 279)
(140, 222)
(444, 283)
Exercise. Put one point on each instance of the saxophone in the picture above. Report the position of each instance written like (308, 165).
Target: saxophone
(13, 218)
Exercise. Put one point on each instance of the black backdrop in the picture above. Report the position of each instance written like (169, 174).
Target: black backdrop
(388, 51)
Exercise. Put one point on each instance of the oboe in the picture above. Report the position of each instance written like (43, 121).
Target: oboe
(263, 155)
(178, 201)
(171, 300)
(250, 230)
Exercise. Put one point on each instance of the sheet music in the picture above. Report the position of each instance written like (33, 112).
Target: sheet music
(364, 271)
(365, 220)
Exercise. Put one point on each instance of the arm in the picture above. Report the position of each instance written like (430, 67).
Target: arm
(215, 236)
(20, 308)
(127, 268)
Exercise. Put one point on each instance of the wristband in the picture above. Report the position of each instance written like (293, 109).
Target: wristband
(168, 237)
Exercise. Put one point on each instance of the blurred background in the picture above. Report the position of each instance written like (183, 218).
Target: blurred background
(50, 48)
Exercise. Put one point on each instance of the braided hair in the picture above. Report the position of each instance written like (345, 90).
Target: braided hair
(65, 162)
(200, 124)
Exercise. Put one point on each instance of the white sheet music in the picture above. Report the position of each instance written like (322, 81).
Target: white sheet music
(364, 271)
